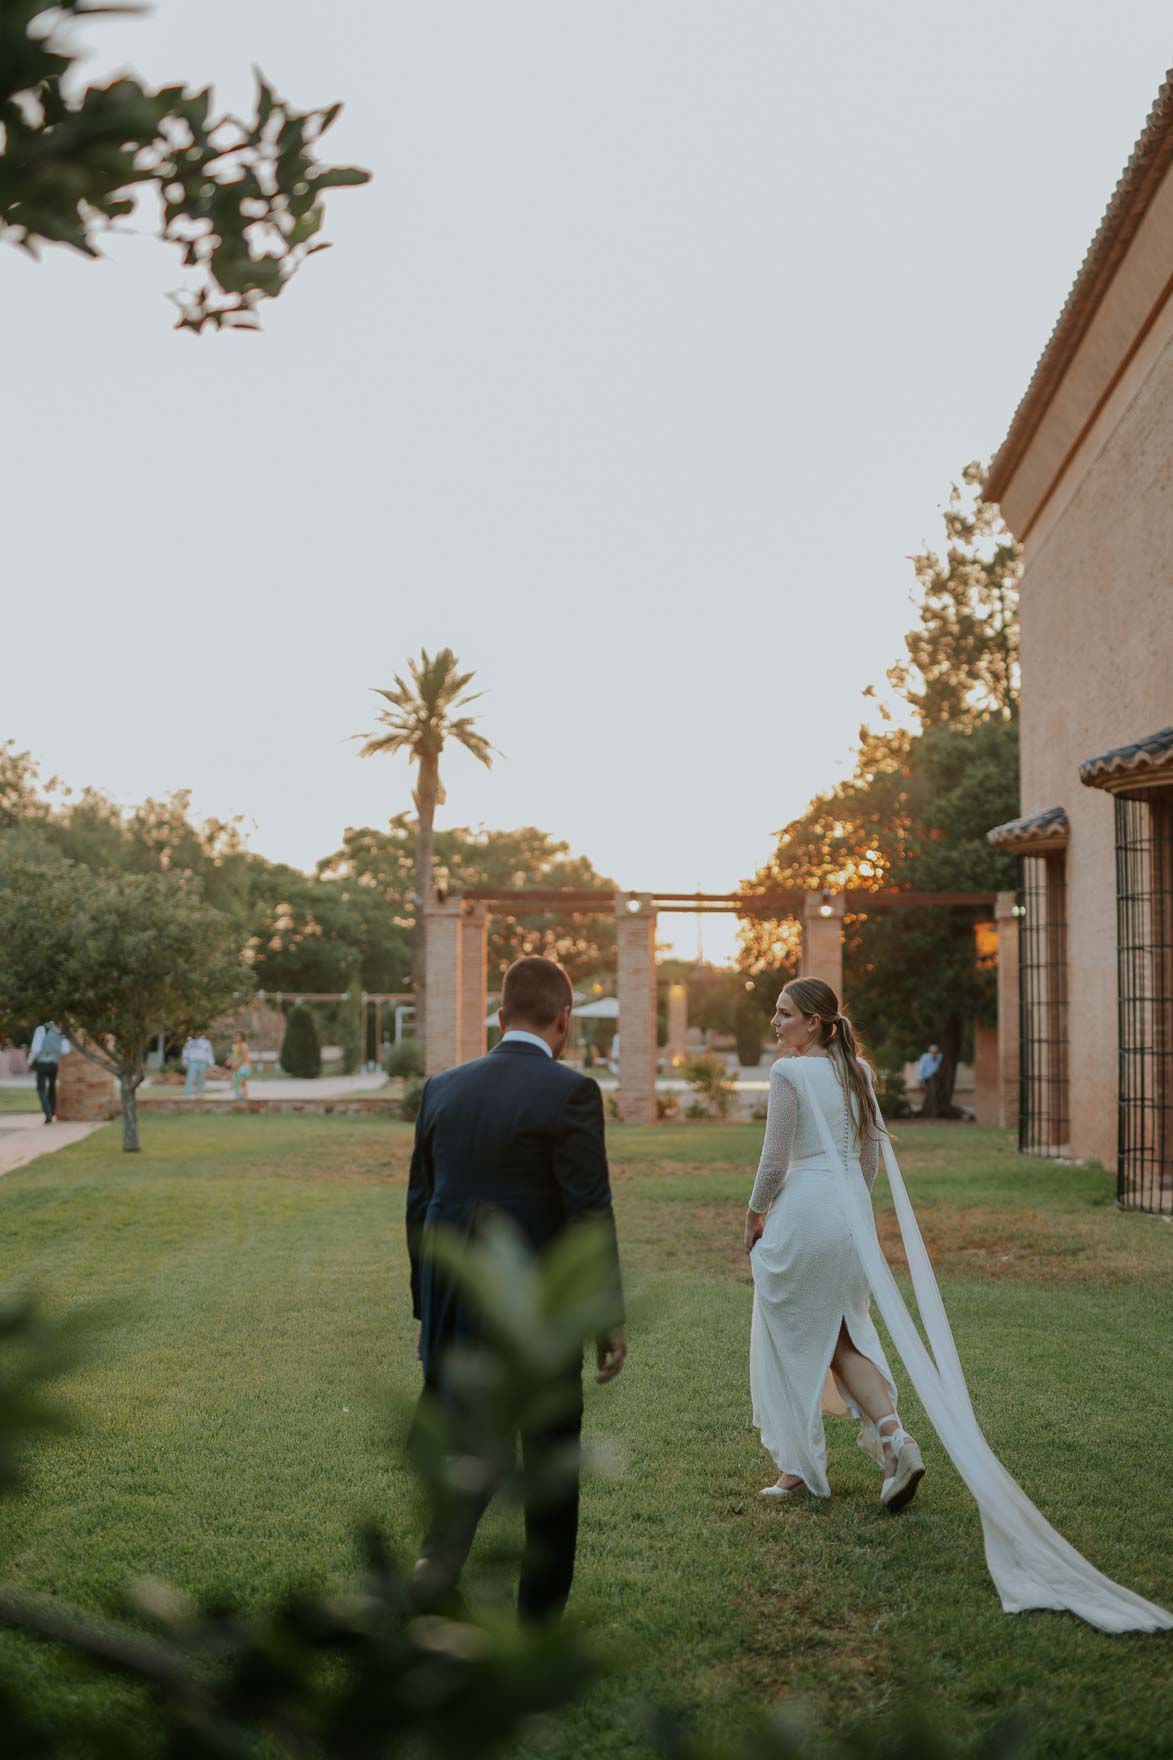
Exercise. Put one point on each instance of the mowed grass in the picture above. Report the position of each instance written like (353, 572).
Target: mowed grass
(19, 1100)
(252, 1336)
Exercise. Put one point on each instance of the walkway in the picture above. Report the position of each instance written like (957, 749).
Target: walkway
(25, 1137)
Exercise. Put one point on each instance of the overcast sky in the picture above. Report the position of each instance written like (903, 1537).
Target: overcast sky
(634, 376)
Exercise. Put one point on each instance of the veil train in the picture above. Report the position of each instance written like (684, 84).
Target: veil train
(1032, 1565)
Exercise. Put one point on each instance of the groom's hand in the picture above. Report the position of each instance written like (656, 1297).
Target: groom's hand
(610, 1352)
(754, 1224)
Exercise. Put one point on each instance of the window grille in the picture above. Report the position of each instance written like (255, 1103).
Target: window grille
(1043, 1110)
(1144, 937)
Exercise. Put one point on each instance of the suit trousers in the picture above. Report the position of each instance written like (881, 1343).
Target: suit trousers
(551, 1518)
(46, 1073)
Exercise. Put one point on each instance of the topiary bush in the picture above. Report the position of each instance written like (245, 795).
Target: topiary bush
(404, 1059)
(751, 1031)
(412, 1100)
(301, 1054)
(709, 1080)
(892, 1094)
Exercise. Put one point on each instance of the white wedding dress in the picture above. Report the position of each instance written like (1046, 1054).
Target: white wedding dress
(816, 1263)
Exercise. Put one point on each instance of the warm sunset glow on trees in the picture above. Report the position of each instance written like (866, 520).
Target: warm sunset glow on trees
(914, 813)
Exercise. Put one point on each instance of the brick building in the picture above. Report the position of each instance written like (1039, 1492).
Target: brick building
(1085, 481)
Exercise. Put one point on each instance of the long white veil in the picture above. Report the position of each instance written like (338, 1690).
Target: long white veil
(1032, 1565)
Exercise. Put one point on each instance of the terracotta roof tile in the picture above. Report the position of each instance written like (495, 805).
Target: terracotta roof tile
(1021, 836)
(1146, 760)
(1142, 177)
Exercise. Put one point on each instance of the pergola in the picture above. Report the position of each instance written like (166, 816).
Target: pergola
(457, 925)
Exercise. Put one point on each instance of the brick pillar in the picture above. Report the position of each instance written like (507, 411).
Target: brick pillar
(987, 1099)
(822, 940)
(84, 1090)
(1005, 913)
(677, 1021)
(442, 929)
(474, 939)
(636, 937)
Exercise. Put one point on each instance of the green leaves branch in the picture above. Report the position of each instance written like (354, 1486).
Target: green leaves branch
(241, 200)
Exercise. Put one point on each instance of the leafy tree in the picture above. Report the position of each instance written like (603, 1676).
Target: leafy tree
(116, 960)
(241, 200)
(420, 720)
(379, 867)
(914, 814)
(962, 665)
(22, 794)
(301, 1054)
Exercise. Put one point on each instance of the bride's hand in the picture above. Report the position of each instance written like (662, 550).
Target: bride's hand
(754, 1224)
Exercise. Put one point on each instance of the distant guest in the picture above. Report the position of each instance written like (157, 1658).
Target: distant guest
(928, 1072)
(240, 1063)
(48, 1047)
(199, 1058)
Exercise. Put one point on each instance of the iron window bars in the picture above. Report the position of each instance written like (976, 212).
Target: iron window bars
(1044, 1117)
(1144, 940)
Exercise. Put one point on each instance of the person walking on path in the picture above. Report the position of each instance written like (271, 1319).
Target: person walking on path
(518, 1133)
(45, 1053)
(199, 1058)
(240, 1063)
(928, 1072)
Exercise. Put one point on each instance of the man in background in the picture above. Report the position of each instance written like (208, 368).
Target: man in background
(928, 1072)
(45, 1053)
(199, 1058)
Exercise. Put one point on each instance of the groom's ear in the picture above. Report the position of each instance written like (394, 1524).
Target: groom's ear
(501, 1020)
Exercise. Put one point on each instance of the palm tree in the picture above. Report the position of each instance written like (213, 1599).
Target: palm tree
(419, 721)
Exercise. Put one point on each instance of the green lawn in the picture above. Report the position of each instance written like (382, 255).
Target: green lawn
(232, 1422)
(19, 1100)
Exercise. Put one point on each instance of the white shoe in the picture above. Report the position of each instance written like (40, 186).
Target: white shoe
(900, 1487)
(779, 1491)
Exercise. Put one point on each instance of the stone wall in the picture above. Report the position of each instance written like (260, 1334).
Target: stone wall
(84, 1091)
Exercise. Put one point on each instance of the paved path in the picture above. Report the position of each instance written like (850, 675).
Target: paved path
(25, 1137)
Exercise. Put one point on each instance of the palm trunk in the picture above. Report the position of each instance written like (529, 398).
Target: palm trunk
(429, 788)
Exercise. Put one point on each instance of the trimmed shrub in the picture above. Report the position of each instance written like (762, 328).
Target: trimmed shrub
(751, 1031)
(404, 1059)
(301, 1054)
(413, 1094)
(891, 1094)
(709, 1081)
(348, 1032)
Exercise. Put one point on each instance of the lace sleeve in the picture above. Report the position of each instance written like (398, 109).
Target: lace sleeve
(781, 1124)
(869, 1149)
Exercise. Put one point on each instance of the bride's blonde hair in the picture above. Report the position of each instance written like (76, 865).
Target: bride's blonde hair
(838, 1037)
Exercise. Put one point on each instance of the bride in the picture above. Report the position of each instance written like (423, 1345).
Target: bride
(816, 1261)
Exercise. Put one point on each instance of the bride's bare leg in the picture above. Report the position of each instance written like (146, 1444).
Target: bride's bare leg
(866, 1386)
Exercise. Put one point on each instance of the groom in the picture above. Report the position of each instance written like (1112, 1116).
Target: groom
(519, 1133)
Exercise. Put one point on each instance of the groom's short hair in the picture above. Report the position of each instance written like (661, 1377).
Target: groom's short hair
(536, 990)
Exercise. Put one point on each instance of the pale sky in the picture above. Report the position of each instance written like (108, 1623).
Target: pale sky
(634, 376)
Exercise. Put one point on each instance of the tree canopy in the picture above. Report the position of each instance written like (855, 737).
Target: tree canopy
(914, 813)
(115, 959)
(383, 863)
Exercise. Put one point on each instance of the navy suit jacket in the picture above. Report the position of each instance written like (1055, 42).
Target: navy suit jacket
(515, 1132)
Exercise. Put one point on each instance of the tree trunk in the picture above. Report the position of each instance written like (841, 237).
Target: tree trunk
(429, 788)
(128, 1087)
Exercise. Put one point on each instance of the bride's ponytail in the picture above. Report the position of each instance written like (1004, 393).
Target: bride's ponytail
(839, 1039)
